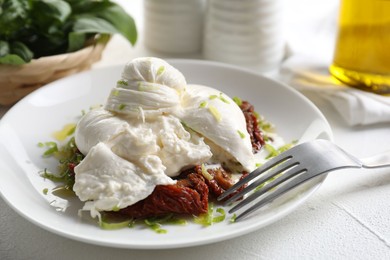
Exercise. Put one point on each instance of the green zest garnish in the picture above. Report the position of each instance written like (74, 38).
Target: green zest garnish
(121, 106)
(116, 225)
(214, 111)
(116, 208)
(63, 192)
(241, 134)
(115, 93)
(52, 148)
(155, 226)
(223, 99)
(208, 218)
(233, 218)
(256, 115)
(237, 100)
(122, 82)
(67, 155)
(160, 70)
(287, 146)
(221, 216)
(110, 221)
(205, 219)
(50, 176)
(274, 152)
(156, 223)
(45, 191)
(205, 173)
(203, 104)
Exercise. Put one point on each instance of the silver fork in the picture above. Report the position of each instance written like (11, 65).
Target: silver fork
(291, 169)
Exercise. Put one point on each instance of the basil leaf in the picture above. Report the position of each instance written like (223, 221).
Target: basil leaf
(15, 53)
(13, 17)
(4, 48)
(112, 13)
(88, 6)
(51, 10)
(11, 59)
(124, 23)
(76, 41)
(21, 50)
(92, 24)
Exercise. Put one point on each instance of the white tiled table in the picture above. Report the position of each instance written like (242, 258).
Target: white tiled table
(348, 218)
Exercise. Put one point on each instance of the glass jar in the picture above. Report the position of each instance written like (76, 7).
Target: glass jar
(362, 55)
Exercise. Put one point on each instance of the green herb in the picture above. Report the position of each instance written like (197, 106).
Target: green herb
(287, 146)
(221, 216)
(68, 156)
(156, 223)
(122, 82)
(205, 219)
(220, 97)
(33, 29)
(63, 191)
(237, 100)
(214, 111)
(160, 70)
(52, 148)
(203, 104)
(209, 218)
(116, 208)
(121, 106)
(241, 134)
(155, 226)
(223, 99)
(47, 175)
(115, 225)
(115, 93)
(233, 218)
(274, 152)
(205, 173)
(45, 191)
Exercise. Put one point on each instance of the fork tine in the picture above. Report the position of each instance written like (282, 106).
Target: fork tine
(265, 167)
(268, 175)
(291, 172)
(277, 193)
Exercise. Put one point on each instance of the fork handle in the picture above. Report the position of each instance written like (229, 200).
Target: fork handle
(377, 161)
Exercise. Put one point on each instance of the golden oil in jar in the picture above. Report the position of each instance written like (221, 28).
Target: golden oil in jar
(362, 53)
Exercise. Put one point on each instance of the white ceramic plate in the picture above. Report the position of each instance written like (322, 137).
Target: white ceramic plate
(46, 110)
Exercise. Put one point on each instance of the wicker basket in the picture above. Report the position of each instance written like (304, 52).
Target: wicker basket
(18, 81)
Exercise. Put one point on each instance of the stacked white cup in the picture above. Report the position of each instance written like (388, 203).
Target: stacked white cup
(174, 26)
(248, 33)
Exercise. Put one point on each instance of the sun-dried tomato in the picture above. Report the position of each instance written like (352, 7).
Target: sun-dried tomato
(188, 196)
(252, 126)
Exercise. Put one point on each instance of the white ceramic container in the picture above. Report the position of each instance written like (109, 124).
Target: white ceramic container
(174, 26)
(247, 33)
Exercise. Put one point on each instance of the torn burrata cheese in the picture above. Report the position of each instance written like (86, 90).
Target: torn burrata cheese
(221, 122)
(153, 126)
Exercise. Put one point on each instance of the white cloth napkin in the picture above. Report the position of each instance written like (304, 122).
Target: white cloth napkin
(355, 106)
(311, 42)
